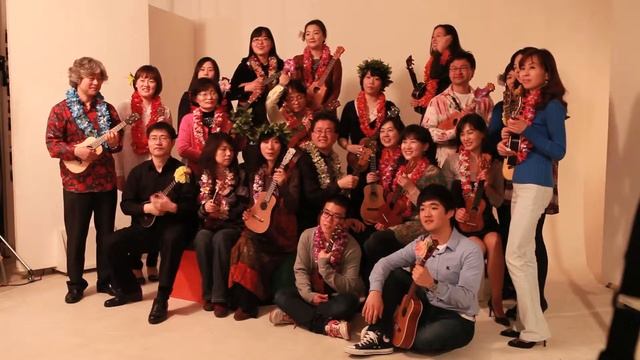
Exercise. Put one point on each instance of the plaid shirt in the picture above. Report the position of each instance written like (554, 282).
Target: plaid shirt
(62, 135)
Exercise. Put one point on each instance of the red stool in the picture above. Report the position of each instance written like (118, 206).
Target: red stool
(188, 284)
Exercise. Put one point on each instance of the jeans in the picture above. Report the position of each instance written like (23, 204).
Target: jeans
(315, 317)
(438, 330)
(213, 249)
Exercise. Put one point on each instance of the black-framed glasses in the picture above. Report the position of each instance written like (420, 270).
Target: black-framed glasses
(332, 215)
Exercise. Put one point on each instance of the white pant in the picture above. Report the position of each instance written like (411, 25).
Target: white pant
(527, 204)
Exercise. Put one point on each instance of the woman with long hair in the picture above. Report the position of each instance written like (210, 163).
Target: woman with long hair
(248, 81)
(223, 198)
(470, 172)
(541, 122)
(256, 256)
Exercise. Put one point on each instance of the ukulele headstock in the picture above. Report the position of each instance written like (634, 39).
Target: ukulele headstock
(409, 62)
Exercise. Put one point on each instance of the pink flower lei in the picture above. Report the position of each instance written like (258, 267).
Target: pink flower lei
(221, 123)
(256, 66)
(464, 169)
(339, 239)
(307, 64)
(528, 113)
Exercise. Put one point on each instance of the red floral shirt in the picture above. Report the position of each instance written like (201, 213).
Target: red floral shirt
(63, 133)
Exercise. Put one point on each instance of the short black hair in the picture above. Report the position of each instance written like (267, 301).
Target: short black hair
(464, 55)
(163, 126)
(325, 115)
(339, 200)
(439, 193)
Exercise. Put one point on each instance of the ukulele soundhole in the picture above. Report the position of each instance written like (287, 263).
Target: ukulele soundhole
(263, 205)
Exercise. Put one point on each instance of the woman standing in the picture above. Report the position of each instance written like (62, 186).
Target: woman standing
(312, 64)
(541, 123)
(444, 42)
(468, 169)
(255, 256)
(206, 119)
(146, 103)
(248, 82)
(223, 198)
(206, 67)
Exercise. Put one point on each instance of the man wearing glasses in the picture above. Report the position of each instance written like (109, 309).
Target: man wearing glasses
(320, 169)
(148, 193)
(456, 101)
(328, 284)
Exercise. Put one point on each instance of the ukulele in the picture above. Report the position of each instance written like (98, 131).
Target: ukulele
(373, 198)
(392, 210)
(419, 88)
(269, 82)
(317, 91)
(452, 120)
(511, 105)
(78, 166)
(259, 215)
(407, 314)
(475, 206)
(180, 176)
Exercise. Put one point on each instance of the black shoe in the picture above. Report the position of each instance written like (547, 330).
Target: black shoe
(522, 344)
(510, 333)
(141, 281)
(371, 343)
(121, 299)
(73, 296)
(153, 278)
(208, 306)
(105, 289)
(158, 312)
(502, 320)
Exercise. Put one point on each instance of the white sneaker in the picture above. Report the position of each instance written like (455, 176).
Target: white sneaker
(279, 317)
(338, 329)
(372, 343)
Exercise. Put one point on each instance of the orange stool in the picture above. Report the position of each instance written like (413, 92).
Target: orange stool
(188, 284)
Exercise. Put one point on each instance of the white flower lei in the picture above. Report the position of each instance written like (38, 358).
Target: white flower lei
(321, 166)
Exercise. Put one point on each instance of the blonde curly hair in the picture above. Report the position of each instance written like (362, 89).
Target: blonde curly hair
(85, 67)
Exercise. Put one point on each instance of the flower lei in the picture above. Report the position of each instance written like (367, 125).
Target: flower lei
(293, 122)
(464, 169)
(224, 187)
(528, 113)
(221, 123)
(307, 64)
(258, 183)
(414, 175)
(138, 129)
(432, 84)
(363, 113)
(388, 165)
(339, 238)
(321, 166)
(256, 66)
(82, 120)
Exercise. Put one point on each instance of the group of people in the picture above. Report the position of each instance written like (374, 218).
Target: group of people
(288, 226)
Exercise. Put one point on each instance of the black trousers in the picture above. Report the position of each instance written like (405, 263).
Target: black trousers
(169, 237)
(78, 208)
(542, 260)
(378, 245)
(438, 330)
(315, 317)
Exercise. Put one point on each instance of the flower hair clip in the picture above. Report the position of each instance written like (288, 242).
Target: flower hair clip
(225, 85)
(289, 67)
(131, 79)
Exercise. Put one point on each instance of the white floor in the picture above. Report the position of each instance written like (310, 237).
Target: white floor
(35, 323)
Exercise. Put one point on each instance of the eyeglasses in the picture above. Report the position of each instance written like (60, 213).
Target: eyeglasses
(295, 98)
(461, 68)
(159, 138)
(332, 215)
(206, 94)
(323, 131)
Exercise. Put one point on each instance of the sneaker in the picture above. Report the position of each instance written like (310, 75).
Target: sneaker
(338, 329)
(279, 317)
(372, 343)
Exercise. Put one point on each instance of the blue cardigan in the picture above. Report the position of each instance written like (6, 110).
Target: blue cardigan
(548, 136)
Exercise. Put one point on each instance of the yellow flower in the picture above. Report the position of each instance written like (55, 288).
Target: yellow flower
(131, 78)
(181, 175)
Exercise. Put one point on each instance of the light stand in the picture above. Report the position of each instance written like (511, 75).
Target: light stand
(29, 271)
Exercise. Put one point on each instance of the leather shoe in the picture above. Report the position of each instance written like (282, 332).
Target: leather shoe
(73, 296)
(510, 333)
(158, 312)
(106, 289)
(121, 299)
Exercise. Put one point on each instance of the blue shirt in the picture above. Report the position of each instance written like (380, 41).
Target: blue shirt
(548, 136)
(458, 267)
